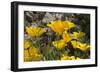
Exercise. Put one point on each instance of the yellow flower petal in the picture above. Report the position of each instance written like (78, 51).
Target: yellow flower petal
(78, 35)
(74, 44)
(26, 53)
(83, 46)
(33, 51)
(77, 58)
(65, 58)
(68, 25)
(60, 44)
(66, 37)
(26, 44)
(79, 45)
(72, 58)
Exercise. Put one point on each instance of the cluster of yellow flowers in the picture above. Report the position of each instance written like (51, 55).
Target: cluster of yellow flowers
(61, 28)
(31, 53)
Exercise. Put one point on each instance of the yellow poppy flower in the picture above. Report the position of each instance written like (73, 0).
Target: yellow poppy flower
(78, 35)
(75, 44)
(59, 26)
(83, 46)
(35, 31)
(56, 26)
(34, 53)
(60, 44)
(66, 37)
(26, 44)
(68, 25)
(79, 45)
